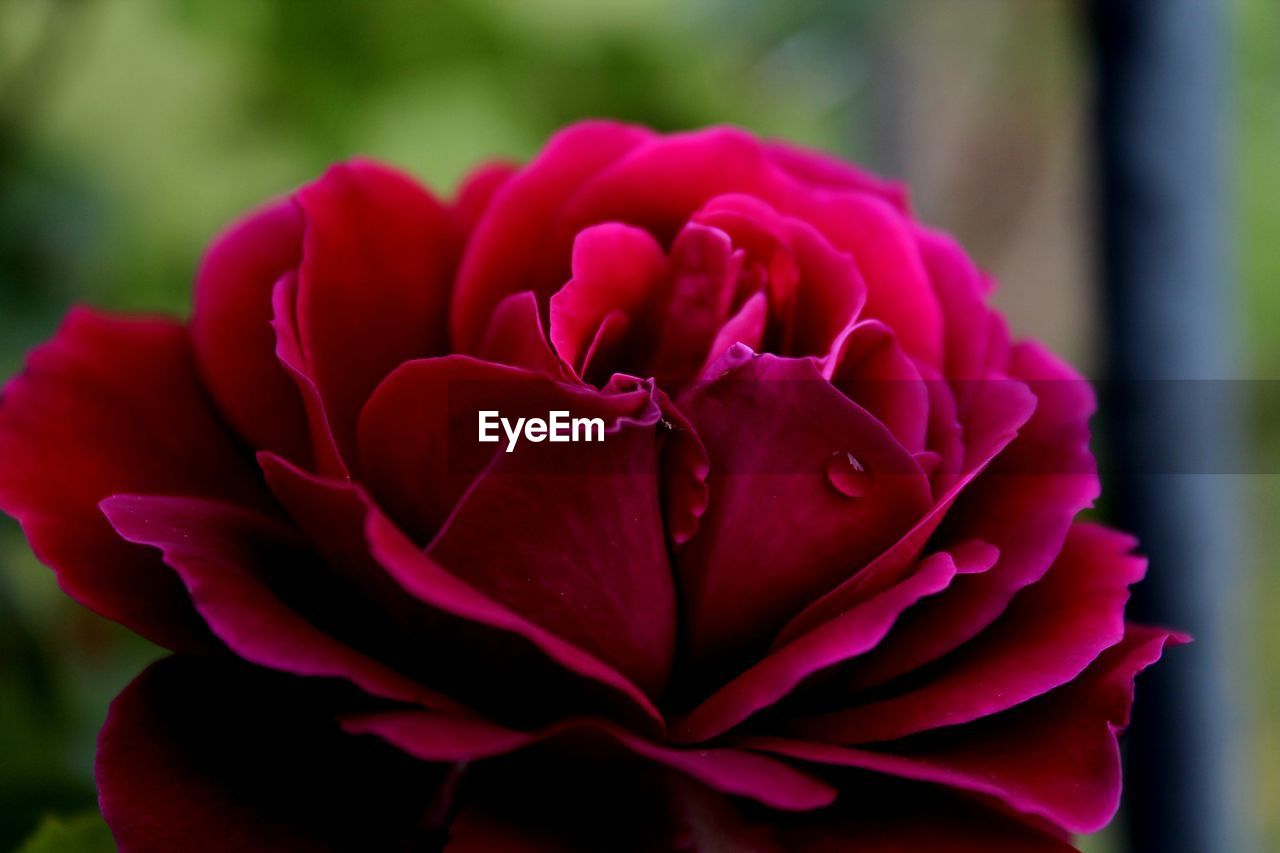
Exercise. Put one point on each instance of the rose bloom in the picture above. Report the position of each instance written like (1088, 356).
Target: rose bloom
(820, 587)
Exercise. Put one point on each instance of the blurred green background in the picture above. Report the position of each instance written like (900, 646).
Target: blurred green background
(131, 130)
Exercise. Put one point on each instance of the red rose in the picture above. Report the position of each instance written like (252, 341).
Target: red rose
(816, 583)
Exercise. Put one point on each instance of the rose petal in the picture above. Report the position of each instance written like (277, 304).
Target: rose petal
(1051, 632)
(815, 290)
(1023, 504)
(837, 641)
(638, 813)
(616, 268)
(685, 467)
(746, 327)
(676, 813)
(1055, 757)
(231, 328)
(883, 245)
(572, 538)
(961, 291)
(496, 661)
(912, 820)
(658, 186)
(995, 424)
(331, 514)
(324, 449)
(873, 371)
(776, 532)
(515, 338)
(694, 300)
(377, 266)
(201, 755)
(226, 557)
(436, 737)
(114, 405)
(422, 577)
(418, 444)
(517, 245)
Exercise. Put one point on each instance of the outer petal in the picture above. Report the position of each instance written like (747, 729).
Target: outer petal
(1049, 634)
(227, 557)
(837, 641)
(675, 813)
(430, 583)
(637, 812)
(480, 830)
(374, 284)
(325, 453)
(113, 405)
(910, 820)
(231, 328)
(1023, 504)
(198, 755)
(466, 642)
(582, 554)
(1055, 758)
(434, 737)
(569, 535)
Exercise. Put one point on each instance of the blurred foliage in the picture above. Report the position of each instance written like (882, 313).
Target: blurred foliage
(1257, 181)
(131, 130)
(85, 833)
(1257, 176)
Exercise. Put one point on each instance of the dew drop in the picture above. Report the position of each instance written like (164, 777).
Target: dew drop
(849, 476)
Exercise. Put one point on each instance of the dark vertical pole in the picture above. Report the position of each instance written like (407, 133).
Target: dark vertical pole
(1160, 103)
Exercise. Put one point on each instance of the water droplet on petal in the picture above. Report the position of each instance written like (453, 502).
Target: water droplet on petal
(734, 357)
(849, 476)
